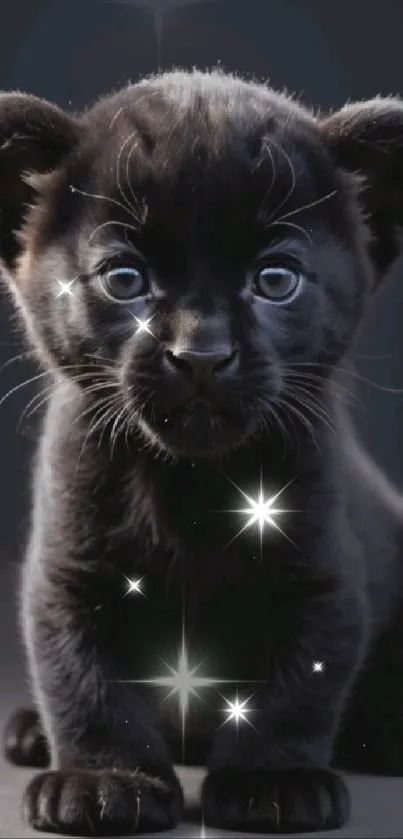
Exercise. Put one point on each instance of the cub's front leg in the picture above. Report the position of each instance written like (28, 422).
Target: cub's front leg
(111, 771)
(272, 775)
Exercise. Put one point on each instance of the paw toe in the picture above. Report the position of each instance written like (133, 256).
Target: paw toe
(24, 740)
(100, 802)
(275, 801)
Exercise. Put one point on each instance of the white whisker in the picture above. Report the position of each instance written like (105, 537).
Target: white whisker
(100, 197)
(117, 223)
(19, 357)
(141, 211)
(129, 207)
(293, 177)
(23, 384)
(308, 206)
(291, 224)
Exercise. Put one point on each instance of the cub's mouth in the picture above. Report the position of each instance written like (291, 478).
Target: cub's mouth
(198, 428)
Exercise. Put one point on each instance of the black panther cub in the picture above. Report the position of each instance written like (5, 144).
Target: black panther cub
(192, 257)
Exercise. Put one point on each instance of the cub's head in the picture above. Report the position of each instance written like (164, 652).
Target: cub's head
(196, 251)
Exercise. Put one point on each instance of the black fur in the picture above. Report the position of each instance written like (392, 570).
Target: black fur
(208, 178)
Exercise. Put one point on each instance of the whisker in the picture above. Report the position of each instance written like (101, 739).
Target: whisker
(106, 418)
(291, 224)
(19, 357)
(290, 407)
(278, 420)
(94, 408)
(22, 384)
(131, 209)
(99, 411)
(320, 384)
(116, 116)
(316, 409)
(117, 223)
(308, 206)
(293, 178)
(273, 176)
(353, 374)
(140, 211)
(86, 437)
(26, 412)
(100, 197)
(117, 427)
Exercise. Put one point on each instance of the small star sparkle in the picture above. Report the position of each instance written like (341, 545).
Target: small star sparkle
(134, 586)
(318, 666)
(65, 287)
(143, 325)
(237, 711)
(185, 681)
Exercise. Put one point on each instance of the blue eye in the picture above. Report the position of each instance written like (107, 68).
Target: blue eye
(277, 284)
(124, 282)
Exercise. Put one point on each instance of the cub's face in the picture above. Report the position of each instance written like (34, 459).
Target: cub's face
(196, 261)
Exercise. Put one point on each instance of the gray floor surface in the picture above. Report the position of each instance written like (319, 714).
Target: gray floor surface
(377, 802)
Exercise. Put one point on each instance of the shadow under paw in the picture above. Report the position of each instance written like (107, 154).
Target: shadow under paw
(275, 801)
(101, 802)
(24, 740)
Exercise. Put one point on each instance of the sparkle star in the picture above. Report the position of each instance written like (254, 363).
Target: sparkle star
(237, 711)
(182, 682)
(134, 586)
(261, 511)
(65, 287)
(143, 325)
(185, 681)
(318, 666)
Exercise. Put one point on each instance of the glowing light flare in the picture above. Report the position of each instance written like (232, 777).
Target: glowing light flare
(143, 325)
(183, 682)
(65, 288)
(318, 666)
(261, 511)
(237, 711)
(134, 586)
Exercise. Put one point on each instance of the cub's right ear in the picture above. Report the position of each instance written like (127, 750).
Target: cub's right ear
(34, 137)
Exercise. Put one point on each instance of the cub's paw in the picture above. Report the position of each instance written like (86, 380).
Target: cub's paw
(101, 802)
(292, 800)
(24, 740)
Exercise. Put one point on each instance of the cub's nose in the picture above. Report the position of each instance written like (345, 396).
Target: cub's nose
(202, 365)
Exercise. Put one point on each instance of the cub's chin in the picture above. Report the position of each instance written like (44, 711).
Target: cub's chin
(197, 431)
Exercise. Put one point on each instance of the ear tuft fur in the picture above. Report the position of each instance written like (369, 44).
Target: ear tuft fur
(35, 136)
(367, 138)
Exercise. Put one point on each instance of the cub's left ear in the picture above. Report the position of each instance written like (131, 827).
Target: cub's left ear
(367, 138)
(34, 137)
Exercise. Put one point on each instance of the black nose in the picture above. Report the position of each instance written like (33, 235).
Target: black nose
(200, 365)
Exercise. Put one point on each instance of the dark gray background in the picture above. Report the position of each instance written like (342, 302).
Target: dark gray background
(71, 51)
